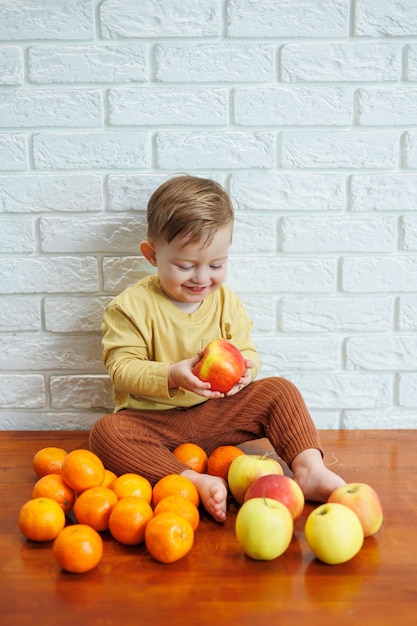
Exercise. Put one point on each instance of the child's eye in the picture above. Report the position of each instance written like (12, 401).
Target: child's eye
(185, 268)
(216, 267)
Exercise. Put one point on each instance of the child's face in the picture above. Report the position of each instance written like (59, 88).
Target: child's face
(189, 273)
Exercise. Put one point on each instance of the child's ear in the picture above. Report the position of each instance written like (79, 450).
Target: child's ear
(148, 252)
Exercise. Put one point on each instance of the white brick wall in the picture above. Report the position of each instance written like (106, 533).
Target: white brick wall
(306, 110)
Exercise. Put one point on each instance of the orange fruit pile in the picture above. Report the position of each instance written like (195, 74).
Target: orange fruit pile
(164, 517)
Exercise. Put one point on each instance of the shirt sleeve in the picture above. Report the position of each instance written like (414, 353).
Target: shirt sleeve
(126, 357)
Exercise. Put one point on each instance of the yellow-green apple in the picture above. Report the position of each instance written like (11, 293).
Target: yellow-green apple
(221, 364)
(281, 488)
(247, 468)
(364, 501)
(264, 528)
(334, 533)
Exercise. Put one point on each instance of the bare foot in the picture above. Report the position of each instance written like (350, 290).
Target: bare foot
(315, 479)
(212, 491)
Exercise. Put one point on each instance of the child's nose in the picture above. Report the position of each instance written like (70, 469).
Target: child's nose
(200, 275)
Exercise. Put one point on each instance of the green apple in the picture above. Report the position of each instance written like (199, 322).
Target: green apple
(221, 364)
(264, 528)
(245, 469)
(334, 533)
(364, 501)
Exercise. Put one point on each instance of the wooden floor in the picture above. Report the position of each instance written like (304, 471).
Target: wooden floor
(216, 584)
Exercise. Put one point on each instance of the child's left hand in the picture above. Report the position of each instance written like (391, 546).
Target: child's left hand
(245, 380)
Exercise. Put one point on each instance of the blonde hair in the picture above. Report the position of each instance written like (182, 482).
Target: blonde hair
(188, 207)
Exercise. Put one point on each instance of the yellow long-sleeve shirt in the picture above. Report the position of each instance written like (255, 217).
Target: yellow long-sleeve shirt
(143, 332)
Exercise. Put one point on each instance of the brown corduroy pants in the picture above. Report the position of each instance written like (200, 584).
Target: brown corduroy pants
(141, 441)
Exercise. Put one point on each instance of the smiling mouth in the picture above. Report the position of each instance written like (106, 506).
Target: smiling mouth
(197, 289)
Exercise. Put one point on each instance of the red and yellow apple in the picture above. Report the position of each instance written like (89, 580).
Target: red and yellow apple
(364, 501)
(221, 364)
(264, 528)
(281, 488)
(247, 468)
(334, 533)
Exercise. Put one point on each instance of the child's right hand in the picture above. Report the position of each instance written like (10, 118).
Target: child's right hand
(180, 375)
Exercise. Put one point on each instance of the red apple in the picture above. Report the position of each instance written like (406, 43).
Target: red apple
(364, 501)
(281, 488)
(247, 468)
(221, 364)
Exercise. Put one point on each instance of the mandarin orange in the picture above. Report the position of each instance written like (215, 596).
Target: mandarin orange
(175, 485)
(82, 469)
(41, 519)
(78, 548)
(169, 537)
(192, 455)
(94, 506)
(131, 484)
(48, 461)
(179, 505)
(220, 459)
(53, 486)
(128, 520)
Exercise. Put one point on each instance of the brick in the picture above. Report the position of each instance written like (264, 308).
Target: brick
(17, 236)
(22, 392)
(87, 64)
(299, 18)
(272, 191)
(121, 272)
(35, 193)
(341, 62)
(66, 314)
(254, 234)
(168, 106)
(380, 419)
(338, 234)
(379, 274)
(287, 106)
(408, 390)
(407, 313)
(98, 234)
(383, 192)
(384, 18)
(214, 62)
(11, 65)
(387, 106)
(293, 275)
(408, 233)
(348, 390)
(411, 62)
(132, 191)
(81, 392)
(20, 313)
(410, 149)
(48, 420)
(283, 354)
(13, 151)
(381, 353)
(226, 149)
(262, 311)
(48, 274)
(351, 149)
(49, 19)
(42, 107)
(96, 149)
(177, 18)
(51, 352)
(336, 314)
